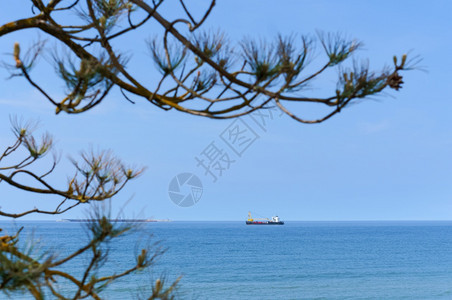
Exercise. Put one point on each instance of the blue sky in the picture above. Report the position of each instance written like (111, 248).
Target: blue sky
(383, 159)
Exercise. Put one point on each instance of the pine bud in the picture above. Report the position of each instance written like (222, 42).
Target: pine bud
(345, 77)
(70, 190)
(142, 258)
(16, 50)
(17, 54)
(102, 21)
(83, 67)
(158, 284)
(403, 60)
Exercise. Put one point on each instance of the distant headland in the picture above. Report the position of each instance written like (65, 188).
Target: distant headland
(118, 220)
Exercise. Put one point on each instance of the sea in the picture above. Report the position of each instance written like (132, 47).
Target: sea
(299, 260)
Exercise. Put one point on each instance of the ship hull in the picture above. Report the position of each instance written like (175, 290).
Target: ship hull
(264, 223)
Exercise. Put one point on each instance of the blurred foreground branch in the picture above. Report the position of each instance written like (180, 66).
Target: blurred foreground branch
(201, 72)
(97, 177)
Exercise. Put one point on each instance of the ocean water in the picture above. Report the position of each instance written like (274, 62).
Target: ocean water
(300, 260)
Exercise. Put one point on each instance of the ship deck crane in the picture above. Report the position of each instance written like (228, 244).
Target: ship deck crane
(251, 219)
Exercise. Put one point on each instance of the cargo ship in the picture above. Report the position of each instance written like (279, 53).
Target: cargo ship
(263, 221)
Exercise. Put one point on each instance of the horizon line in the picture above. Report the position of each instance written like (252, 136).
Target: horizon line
(170, 220)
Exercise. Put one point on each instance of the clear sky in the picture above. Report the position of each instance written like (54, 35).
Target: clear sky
(384, 159)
